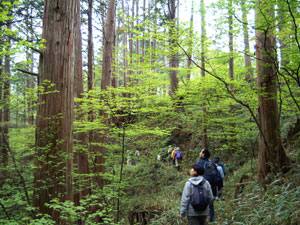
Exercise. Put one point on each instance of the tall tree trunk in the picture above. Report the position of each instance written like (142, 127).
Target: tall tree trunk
(54, 137)
(30, 58)
(143, 40)
(105, 83)
(6, 98)
(190, 50)
(272, 158)
(90, 67)
(81, 155)
(249, 74)
(125, 61)
(230, 42)
(203, 40)
(3, 148)
(137, 43)
(173, 57)
(131, 30)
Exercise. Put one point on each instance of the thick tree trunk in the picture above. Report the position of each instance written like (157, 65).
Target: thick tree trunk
(54, 137)
(271, 156)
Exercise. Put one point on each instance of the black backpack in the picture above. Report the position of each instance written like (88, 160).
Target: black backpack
(211, 173)
(200, 198)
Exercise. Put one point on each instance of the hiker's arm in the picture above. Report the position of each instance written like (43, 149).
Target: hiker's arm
(185, 199)
(210, 193)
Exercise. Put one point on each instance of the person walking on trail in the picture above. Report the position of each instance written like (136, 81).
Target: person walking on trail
(178, 158)
(221, 172)
(222, 165)
(170, 149)
(211, 174)
(137, 155)
(196, 216)
(173, 155)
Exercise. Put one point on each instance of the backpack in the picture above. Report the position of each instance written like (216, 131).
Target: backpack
(200, 198)
(173, 154)
(211, 173)
(178, 155)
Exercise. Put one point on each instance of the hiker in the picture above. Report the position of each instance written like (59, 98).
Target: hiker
(170, 149)
(222, 165)
(195, 217)
(137, 155)
(178, 157)
(128, 158)
(173, 155)
(211, 174)
(220, 182)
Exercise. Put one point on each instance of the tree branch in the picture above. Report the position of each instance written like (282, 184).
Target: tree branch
(28, 72)
(231, 95)
(19, 39)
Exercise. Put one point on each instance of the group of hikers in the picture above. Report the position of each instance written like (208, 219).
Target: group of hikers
(200, 191)
(173, 156)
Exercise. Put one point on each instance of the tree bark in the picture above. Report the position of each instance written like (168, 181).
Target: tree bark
(190, 50)
(230, 43)
(173, 57)
(81, 155)
(54, 137)
(105, 83)
(125, 61)
(272, 158)
(249, 74)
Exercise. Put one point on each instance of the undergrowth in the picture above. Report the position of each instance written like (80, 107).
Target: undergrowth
(244, 200)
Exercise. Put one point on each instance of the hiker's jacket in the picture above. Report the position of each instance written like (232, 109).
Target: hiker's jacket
(211, 180)
(186, 208)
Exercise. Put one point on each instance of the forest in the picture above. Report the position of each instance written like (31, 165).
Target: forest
(93, 93)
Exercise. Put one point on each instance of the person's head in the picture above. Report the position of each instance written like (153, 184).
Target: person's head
(217, 160)
(197, 170)
(204, 153)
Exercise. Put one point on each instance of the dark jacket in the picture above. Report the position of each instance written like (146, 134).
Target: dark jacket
(211, 181)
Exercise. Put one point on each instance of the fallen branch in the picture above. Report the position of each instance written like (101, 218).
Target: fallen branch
(242, 184)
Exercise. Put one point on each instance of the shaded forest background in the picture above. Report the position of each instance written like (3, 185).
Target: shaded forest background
(85, 84)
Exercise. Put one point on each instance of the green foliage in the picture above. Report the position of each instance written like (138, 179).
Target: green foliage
(251, 204)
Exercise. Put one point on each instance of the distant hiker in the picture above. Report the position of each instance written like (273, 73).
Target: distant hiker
(128, 158)
(173, 155)
(196, 197)
(178, 157)
(158, 157)
(211, 174)
(170, 149)
(137, 155)
(222, 165)
(220, 182)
